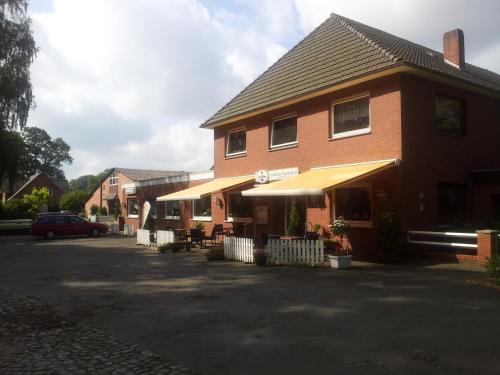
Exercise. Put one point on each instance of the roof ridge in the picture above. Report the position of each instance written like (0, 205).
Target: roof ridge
(344, 22)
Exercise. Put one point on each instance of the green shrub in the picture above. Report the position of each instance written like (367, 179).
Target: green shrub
(73, 201)
(174, 247)
(198, 225)
(493, 268)
(163, 248)
(14, 209)
(215, 253)
(36, 200)
(94, 209)
(103, 211)
(390, 235)
(293, 221)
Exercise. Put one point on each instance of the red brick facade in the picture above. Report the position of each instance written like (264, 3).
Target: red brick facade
(403, 126)
(55, 192)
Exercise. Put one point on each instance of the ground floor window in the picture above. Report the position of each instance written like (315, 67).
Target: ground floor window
(239, 206)
(132, 207)
(451, 204)
(354, 204)
(202, 208)
(173, 210)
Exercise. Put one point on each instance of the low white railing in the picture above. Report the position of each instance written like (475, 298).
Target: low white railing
(164, 236)
(143, 237)
(295, 252)
(128, 230)
(442, 243)
(238, 248)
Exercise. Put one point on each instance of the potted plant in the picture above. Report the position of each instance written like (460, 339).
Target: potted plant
(293, 221)
(260, 257)
(215, 253)
(316, 228)
(340, 258)
(198, 225)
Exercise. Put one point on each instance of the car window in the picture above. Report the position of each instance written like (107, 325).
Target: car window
(45, 220)
(75, 219)
(59, 220)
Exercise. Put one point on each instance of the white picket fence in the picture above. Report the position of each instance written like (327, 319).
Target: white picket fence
(128, 229)
(164, 236)
(295, 252)
(143, 237)
(238, 248)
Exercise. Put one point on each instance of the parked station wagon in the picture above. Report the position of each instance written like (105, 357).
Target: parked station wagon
(52, 225)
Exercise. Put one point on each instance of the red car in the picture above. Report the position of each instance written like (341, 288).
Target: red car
(52, 225)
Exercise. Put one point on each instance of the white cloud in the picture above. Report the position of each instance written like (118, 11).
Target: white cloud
(127, 83)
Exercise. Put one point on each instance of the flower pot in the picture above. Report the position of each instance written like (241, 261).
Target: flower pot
(260, 260)
(340, 261)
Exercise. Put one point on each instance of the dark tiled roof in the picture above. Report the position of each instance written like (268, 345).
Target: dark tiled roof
(339, 50)
(147, 174)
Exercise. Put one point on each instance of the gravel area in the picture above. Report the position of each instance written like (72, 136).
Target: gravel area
(36, 339)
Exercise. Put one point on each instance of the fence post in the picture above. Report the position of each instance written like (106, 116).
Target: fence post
(486, 244)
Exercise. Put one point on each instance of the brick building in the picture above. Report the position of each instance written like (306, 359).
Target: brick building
(55, 187)
(126, 190)
(353, 121)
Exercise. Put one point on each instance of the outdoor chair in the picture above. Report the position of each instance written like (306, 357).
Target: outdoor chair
(196, 236)
(219, 231)
(213, 235)
(263, 238)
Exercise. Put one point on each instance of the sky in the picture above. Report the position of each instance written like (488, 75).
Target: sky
(127, 83)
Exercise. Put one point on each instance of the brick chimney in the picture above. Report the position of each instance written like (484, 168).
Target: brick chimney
(453, 48)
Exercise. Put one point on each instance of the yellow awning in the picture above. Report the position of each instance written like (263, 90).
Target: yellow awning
(199, 191)
(317, 180)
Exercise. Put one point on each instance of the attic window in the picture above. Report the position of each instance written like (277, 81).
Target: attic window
(113, 179)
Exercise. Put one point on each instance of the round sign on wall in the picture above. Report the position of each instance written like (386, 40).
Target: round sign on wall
(262, 176)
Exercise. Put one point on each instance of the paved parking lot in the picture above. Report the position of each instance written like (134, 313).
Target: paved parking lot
(233, 318)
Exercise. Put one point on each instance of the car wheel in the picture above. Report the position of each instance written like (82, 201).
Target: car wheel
(50, 235)
(95, 232)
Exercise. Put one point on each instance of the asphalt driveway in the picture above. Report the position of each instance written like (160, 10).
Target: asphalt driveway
(234, 318)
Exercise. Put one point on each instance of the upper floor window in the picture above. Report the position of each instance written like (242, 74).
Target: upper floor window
(450, 115)
(113, 179)
(236, 143)
(284, 131)
(351, 117)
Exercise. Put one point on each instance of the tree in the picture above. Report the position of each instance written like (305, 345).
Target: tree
(17, 52)
(44, 154)
(36, 200)
(11, 153)
(88, 182)
(73, 201)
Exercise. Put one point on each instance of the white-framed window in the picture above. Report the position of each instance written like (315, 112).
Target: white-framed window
(284, 131)
(354, 204)
(113, 179)
(173, 210)
(132, 207)
(351, 117)
(236, 142)
(202, 209)
(239, 207)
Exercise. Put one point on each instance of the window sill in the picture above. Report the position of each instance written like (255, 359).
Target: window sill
(172, 217)
(349, 134)
(201, 218)
(133, 216)
(238, 220)
(361, 224)
(459, 136)
(283, 146)
(234, 156)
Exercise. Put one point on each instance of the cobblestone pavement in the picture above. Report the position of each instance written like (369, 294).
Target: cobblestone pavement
(36, 339)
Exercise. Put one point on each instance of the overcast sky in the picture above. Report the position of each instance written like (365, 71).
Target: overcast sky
(127, 83)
